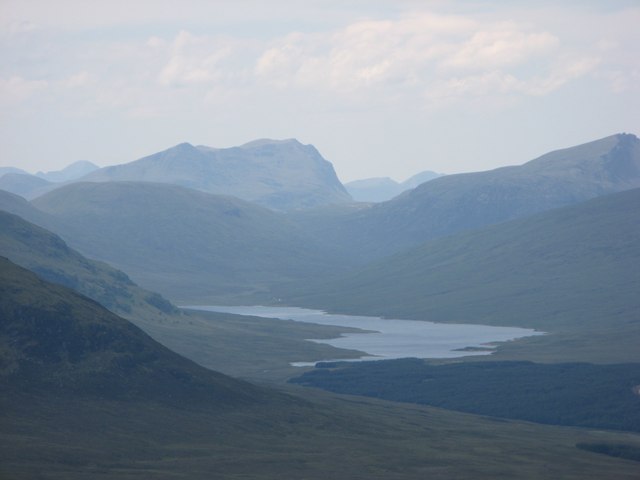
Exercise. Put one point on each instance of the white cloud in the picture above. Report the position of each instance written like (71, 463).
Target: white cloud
(445, 56)
(500, 47)
(78, 80)
(16, 89)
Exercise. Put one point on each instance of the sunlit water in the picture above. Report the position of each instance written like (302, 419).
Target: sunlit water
(389, 338)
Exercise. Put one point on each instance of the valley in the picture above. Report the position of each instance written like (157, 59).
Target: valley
(104, 375)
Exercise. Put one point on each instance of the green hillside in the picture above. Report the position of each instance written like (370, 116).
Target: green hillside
(237, 345)
(56, 341)
(570, 271)
(46, 254)
(456, 203)
(85, 394)
(188, 245)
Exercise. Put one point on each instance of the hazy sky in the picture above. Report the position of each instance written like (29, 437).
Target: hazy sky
(380, 87)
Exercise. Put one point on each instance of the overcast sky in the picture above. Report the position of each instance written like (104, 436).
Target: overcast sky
(380, 87)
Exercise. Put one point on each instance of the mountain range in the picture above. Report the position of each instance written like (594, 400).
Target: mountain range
(455, 203)
(191, 245)
(551, 244)
(282, 175)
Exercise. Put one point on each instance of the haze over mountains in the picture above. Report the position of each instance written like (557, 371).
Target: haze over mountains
(281, 175)
(455, 203)
(29, 186)
(191, 245)
(381, 189)
(185, 242)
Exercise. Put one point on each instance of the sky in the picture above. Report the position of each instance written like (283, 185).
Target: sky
(379, 87)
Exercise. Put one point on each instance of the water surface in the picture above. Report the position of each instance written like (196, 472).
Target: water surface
(391, 338)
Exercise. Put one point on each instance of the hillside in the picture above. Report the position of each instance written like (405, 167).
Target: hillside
(185, 244)
(281, 175)
(57, 341)
(455, 203)
(47, 255)
(216, 341)
(85, 394)
(572, 270)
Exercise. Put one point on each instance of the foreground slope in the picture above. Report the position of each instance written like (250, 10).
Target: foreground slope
(282, 175)
(55, 341)
(571, 270)
(181, 242)
(233, 344)
(456, 203)
(85, 394)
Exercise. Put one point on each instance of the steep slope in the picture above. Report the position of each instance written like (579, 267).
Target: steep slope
(574, 269)
(281, 175)
(455, 203)
(55, 341)
(183, 243)
(47, 255)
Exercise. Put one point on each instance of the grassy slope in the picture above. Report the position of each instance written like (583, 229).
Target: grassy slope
(188, 245)
(87, 395)
(56, 341)
(572, 271)
(50, 257)
(236, 345)
(324, 437)
(456, 203)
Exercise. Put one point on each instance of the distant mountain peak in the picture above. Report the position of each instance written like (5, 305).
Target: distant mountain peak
(279, 174)
(269, 141)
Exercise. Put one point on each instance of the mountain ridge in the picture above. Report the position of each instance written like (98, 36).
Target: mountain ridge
(279, 174)
(459, 202)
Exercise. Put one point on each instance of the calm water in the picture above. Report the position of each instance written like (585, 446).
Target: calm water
(388, 338)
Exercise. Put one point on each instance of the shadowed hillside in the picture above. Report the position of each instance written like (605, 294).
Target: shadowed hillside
(57, 341)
